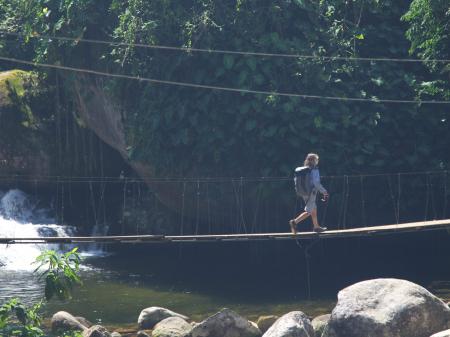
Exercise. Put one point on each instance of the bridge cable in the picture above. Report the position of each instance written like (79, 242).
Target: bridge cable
(36, 35)
(221, 88)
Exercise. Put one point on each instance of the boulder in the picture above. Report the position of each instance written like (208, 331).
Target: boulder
(265, 322)
(63, 321)
(225, 323)
(83, 320)
(96, 331)
(445, 333)
(293, 324)
(387, 308)
(319, 324)
(172, 327)
(116, 334)
(142, 334)
(152, 315)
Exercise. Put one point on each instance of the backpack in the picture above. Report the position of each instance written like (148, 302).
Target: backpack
(303, 181)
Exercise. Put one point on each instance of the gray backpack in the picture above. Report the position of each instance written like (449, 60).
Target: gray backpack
(303, 181)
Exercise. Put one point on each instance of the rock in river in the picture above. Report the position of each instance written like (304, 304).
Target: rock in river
(387, 308)
(172, 327)
(293, 324)
(63, 321)
(150, 316)
(226, 323)
(96, 331)
(319, 323)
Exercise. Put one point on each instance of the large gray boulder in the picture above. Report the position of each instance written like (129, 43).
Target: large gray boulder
(96, 331)
(152, 315)
(63, 321)
(172, 327)
(387, 308)
(226, 323)
(319, 324)
(293, 324)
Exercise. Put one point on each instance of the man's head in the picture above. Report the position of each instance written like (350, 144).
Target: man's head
(312, 160)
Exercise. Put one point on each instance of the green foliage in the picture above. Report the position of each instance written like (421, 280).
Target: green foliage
(16, 319)
(187, 131)
(429, 33)
(61, 272)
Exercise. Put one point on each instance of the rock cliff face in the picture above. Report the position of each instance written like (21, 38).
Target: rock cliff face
(106, 118)
(40, 138)
(25, 149)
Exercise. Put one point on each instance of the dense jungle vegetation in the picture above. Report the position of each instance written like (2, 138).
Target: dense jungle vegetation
(191, 131)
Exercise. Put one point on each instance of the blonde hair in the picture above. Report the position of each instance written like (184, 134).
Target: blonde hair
(311, 160)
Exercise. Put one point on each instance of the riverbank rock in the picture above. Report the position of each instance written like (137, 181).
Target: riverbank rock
(293, 324)
(226, 323)
(265, 322)
(387, 308)
(63, 321)
(96, 331)
(445, 333)
(172, 327)
(319, 323)
(84, 321)
(142, 334)
(152, 315)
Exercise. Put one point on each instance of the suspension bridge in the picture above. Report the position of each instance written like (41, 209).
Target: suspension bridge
(253, 209)
(330, 234)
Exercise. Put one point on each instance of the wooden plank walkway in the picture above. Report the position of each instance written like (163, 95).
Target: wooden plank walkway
(329, 234)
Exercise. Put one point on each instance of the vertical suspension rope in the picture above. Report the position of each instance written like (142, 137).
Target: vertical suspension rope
(182, 208)
(427, 196)
(433, 201)
(399, 193)
(62, 203)
(347, 192)
(241, 187)
(363, 203)
(392, 198)
(57, 200)
(324, 214)
(124, 204)
(444, 213)
(92, 197)
(197, 222)
(208, 209)
(342, 204)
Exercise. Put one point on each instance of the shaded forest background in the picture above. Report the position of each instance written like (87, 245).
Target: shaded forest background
(173, 131)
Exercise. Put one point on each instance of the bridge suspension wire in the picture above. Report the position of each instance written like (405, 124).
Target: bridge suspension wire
(23, 178)
(220, 88)
(219, 51)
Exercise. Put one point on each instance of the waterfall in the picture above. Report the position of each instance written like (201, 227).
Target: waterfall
(22, 216)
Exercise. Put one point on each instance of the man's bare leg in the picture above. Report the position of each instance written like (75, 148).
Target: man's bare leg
(293, 223)
(315, 222)
(301, 217)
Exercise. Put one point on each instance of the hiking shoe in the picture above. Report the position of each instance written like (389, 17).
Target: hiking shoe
(293, 226)
(319, 229)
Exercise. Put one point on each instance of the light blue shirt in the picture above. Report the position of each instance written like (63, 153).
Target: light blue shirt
(315, 178)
